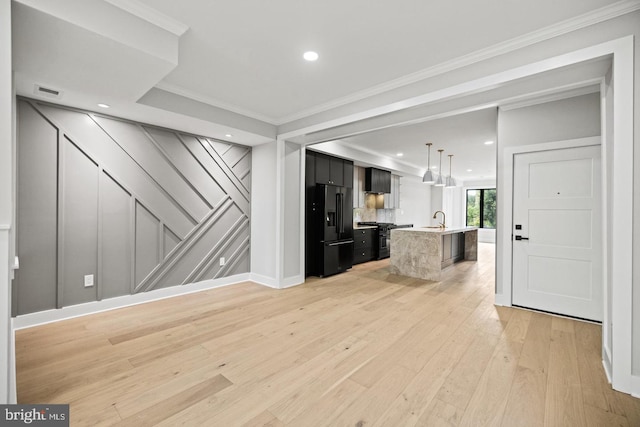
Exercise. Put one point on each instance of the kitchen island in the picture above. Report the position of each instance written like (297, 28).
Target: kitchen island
(424, 252)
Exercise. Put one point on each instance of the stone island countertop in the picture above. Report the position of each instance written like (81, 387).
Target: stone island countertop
(423, 252)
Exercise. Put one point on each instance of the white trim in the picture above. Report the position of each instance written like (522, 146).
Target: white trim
(292, 281)
(264, 280)
(607, 370)
(151, 15)
(622, 214)
(590, 18)
(303, 210)
(43, 317)
(471, 86)
(5, 227)
(605, 105)
(178, 90)
(502, 300)
(554, 96)
(635, 386)
(280, 208)
(505, 189)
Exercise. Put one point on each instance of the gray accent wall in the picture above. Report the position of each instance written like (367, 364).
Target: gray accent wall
(138, 207)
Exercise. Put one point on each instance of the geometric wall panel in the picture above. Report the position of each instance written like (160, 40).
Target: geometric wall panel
(78, 224)
(37, 222)
(116, 238)
(136, 206)
(147, 244)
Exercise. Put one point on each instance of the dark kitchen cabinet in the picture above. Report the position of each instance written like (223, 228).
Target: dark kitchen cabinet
(363, 245)
(348, 174)
(452, 249)
(377, 180)
(331, 170)
(323, 169)
(336, 172)
(327, 173)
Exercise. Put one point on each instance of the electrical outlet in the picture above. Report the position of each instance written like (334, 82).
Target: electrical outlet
(88, 280)
(222, 261)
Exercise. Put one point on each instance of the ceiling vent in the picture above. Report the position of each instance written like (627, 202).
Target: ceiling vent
(47, 92)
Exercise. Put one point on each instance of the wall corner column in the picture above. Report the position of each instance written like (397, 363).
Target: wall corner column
(7, 97)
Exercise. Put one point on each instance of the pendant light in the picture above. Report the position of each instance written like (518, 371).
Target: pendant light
(440, 181)
(428, 177)
(451, 182)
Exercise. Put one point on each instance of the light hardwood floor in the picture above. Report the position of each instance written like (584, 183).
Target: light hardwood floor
(364, 348)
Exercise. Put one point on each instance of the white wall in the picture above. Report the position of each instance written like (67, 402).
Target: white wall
(566, 119)
(415, 202)
(263, 213)
(570, 118)
(6, 203)
(449, 201)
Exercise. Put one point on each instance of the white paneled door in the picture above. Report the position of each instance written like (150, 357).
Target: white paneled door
(557, 257)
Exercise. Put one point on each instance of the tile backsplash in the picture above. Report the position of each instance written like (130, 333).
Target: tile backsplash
(378, 215)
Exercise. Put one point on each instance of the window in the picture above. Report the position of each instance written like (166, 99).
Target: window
(481, 208)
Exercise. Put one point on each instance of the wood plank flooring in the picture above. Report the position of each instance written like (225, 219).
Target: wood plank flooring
(364, 348)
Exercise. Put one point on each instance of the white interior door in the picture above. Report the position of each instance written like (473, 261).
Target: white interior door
(557, 261)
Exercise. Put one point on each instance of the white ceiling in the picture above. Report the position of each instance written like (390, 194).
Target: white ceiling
(235, 67)
(248, 54)
(462, 135)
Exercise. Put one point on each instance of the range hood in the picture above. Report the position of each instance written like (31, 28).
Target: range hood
(377, 181)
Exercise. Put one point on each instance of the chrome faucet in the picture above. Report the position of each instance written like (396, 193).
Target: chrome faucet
(442, 224)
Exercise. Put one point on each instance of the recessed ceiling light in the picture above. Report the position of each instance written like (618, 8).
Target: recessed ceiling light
(488, 143)
(310, 56)
(229, 135)
(101, 105)
(469, 170)
(400, 154)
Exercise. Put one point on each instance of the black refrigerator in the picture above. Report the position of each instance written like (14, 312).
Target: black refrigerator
(333, 229)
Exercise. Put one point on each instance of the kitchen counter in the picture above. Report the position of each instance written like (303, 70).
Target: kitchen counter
(424, 252)
(439, 230)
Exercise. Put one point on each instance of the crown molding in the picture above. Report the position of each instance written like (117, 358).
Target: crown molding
(179, 90)
(590, 18)
(151, 15)
(551, 97)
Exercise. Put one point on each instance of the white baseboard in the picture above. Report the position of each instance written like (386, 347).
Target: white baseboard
(502, 299)
(292, 281)
(607, 369)
(42, 317)
(264, 280)
(635, 386)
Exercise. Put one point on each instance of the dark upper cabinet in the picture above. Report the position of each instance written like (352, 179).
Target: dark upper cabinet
(332, 170)
(377, 181)
(337, 171)
(348, 174)
(323, 169)
(310, 170)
